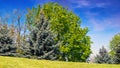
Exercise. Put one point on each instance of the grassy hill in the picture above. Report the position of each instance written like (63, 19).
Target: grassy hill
(12, 62)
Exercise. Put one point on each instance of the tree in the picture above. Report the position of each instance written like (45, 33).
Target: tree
(41, 41)
(117, 55)
(75, 44)
(7, 47)
(18, 33)
(66, 25)
(114, 43)
(115, 48)
(103, 57)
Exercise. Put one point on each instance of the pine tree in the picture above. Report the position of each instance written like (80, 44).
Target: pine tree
(7, 47)
(103, 57)
(41, 40)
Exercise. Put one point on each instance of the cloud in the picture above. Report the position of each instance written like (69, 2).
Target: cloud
(82, 3)
(90, 4)
(101, 23)
(97, 25)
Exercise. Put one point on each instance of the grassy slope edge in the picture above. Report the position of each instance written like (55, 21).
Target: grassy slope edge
(13, 62)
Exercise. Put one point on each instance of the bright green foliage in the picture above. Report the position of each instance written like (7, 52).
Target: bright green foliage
(115, 48)
(7, 47)
(33, 17)
(114, 42)
(66, 25)
(103, 57)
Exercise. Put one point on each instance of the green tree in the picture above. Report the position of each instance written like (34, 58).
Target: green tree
(41, 41)
(115, 48)
(75, 44)
(117, 55)
(114, 43)
(33, 17)
(103, 57)
(66, 25)
(7, 47)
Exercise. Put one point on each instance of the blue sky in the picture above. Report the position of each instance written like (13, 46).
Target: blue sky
(102, 17)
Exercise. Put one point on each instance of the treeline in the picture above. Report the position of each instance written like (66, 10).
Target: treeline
(50, 32)
(112, 57)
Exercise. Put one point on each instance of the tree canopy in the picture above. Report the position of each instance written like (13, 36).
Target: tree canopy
(115, 48)
(115, 41)
(66, 27)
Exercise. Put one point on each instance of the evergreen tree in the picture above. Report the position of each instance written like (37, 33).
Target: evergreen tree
(103, 57)
(7, 47)
(41, 40)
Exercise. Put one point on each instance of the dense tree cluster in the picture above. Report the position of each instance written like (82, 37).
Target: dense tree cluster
(75, 44)
(53, 33)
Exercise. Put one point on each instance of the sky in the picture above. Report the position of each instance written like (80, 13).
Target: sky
(102, 17)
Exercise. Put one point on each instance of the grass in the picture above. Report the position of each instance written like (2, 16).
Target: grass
(12, 62)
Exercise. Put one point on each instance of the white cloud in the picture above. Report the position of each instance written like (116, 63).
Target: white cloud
(83, 3)
(89, 4)
(103, 23)
(112, 22)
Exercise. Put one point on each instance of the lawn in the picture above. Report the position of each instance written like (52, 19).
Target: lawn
(12, 62)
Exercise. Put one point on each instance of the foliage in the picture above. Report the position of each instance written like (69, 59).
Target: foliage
(103, 57)
(54, 32)
(66, 25)
(114, 42)
(116, 56)
(41, 41)
(115, 48)
(33, 17)
(7, 46)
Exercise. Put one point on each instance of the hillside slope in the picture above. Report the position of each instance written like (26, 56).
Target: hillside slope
(12, 62)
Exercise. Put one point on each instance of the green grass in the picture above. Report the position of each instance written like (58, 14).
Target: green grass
(12, 62)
